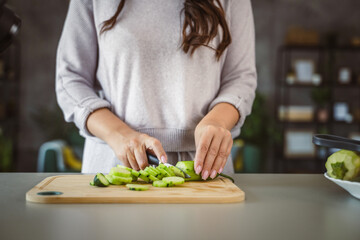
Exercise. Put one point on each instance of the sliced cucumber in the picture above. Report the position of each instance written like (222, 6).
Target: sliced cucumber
(173, 180)
(160, 184)
(177, 172)
(127, 168)
(152, 178)
(92, 183)
(164, 173)
(144, 176)
(100, 180)
(119, 180)
(152, 172)
(155, 169)
(169, 171)
(135, 173)
(142, 172)
(120, 172)
(137, 187)
(109, 178)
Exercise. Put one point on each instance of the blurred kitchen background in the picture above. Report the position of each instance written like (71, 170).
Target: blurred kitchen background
(308, 55)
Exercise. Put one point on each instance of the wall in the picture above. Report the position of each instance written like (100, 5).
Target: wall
(43, 20)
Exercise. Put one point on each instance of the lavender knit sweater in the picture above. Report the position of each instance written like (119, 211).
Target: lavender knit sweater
(144, 76)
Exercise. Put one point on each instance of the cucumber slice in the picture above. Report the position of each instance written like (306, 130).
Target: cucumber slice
(142, 172)
(155, 169)
(135, 173)
(177, 172)
(120, 172)
(144, 176)
(160, 184)
(127, 168)
(152, 178)
(100, 180)
(152, 172)
(137, 187)
(164, 172)
(170, 171)
(109, 178)
(92, 183)
(119, 180)
(173, 180)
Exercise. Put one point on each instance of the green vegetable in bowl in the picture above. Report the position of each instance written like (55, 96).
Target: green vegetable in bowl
(343, 164)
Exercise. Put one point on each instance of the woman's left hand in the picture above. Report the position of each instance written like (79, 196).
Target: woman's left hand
(213, 146)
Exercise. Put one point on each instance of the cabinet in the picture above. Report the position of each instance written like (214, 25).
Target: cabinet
(329, 102)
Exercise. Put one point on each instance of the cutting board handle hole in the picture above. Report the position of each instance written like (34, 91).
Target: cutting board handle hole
(49, 193)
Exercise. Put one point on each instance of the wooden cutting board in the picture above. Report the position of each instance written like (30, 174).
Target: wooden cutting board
(76, 189)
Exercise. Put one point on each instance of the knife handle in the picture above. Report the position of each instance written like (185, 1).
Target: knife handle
(152, 159)
(332, 141)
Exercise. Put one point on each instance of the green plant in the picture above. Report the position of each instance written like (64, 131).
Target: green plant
(51, 122)
(259, 127)
(320, 96)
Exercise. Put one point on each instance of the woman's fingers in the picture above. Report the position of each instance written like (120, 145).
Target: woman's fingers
(155, 145)
(140, 156)
(210, 157)
(221, 158)
(132, 160)
(202, 150)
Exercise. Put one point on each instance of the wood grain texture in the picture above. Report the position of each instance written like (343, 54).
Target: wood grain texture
(76, 189)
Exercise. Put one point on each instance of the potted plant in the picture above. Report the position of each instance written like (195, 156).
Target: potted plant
(321, 97)
(256, 133)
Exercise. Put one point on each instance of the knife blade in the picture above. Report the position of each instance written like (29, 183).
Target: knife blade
(155, 161)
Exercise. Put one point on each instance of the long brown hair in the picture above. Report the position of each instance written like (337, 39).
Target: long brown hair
(202, 18)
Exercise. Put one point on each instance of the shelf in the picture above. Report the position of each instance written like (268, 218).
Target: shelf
(346, 123)
(346, 86)
(326, 61)
(319, 48)
(302, 85)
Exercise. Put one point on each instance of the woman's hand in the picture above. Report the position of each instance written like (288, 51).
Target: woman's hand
(213, 146)
(129, 145)
(130, 148)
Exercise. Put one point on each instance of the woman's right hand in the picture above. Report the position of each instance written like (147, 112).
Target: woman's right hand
(131, 147)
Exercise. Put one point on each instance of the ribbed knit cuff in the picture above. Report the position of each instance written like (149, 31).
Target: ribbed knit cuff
(239, 104)
(83, 111)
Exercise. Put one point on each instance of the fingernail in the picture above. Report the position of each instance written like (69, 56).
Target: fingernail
(198, 169)
(213, 174)
(205, 175)
(220, 171)
(163, 159)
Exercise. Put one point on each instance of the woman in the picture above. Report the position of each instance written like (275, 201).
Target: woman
(177, 79)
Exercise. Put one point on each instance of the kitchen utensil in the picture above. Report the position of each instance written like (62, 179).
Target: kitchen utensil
(332, 141)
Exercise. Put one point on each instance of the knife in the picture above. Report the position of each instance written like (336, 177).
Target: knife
(155, 161)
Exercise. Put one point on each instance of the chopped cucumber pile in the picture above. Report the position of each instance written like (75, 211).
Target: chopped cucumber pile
(160, 176)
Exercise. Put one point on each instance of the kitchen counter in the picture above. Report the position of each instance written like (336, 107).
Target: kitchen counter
(277, 206)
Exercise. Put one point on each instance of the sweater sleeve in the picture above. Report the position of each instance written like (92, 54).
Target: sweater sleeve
(238, 76)
(76, 65)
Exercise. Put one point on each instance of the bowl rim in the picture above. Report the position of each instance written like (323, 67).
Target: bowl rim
(341, 181)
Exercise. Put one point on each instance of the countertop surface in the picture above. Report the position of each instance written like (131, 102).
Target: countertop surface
(277, 206)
